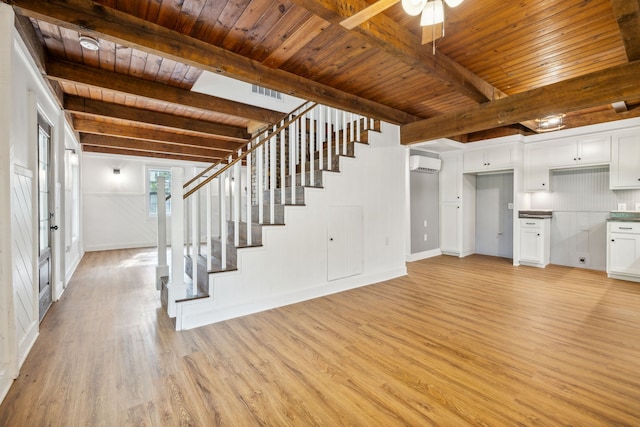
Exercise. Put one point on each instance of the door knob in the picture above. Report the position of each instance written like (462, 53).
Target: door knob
(54, 227)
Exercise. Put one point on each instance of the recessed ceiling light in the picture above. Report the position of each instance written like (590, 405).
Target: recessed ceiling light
(89, 43)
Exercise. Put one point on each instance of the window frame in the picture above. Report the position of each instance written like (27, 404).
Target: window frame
(148, 170)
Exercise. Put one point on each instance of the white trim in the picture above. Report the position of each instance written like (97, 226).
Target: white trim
(71, 269)
(196, 313)
(130, 245)
(423, 255)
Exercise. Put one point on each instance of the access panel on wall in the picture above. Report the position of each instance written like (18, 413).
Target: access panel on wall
(345, 242)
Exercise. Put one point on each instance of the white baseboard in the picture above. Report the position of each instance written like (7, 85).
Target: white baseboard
(203, 312)
(111, 247)
(72, 269)
(6, 380)
(25, 345)
(423, 255)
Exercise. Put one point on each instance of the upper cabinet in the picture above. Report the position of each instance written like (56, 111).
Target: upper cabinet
(536, 168)
(451, 177)
(583, 151)
(489, 159)
(625, 161)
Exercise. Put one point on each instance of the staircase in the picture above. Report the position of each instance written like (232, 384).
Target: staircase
(229, 205)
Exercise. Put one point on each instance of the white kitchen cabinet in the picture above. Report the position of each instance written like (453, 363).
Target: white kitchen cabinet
(488, 159)
(450, 228)
(623, 250)
(535, 243)
(625, 161)
(536, 168)
(583, 151)
(450, 177)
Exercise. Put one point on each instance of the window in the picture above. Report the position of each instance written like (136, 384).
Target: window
(153, 175)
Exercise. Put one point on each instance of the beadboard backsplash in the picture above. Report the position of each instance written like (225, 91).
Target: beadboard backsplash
(581, 201)
(583, 190)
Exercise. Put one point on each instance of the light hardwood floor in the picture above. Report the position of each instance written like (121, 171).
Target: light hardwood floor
(471, 341)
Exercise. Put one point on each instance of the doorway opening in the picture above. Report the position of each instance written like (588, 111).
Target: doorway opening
(494, 214)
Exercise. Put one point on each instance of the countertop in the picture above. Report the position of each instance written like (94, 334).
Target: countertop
(624, 216)
(535, 214)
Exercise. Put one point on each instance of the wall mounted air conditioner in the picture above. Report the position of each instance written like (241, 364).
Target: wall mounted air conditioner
(424, 164)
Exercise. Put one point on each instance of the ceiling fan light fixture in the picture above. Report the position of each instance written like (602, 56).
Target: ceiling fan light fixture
(89, 43)
(413, 7)
(433, 13)
(453, 3)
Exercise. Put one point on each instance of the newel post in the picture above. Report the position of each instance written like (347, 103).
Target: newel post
(176, 289)
(162, 269)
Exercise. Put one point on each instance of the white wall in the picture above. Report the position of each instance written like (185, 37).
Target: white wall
(114, 214)
(23, 93)
(292, 264)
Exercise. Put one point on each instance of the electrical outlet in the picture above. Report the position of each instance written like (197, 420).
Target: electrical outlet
(425, 222)
(582, 260)
(425, 237)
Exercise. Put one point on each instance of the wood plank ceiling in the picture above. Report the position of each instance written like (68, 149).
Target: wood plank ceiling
(500, 65)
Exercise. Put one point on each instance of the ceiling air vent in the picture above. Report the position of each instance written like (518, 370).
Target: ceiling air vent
(259, 90)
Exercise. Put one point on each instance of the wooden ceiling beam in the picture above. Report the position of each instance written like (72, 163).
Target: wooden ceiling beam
(388, 36)
(126, 152)
(627, 13)
(103, 22)
(85, 106)
(591, 90)
(34, 46)
(149, 146)
(84, 125)
(76, 73)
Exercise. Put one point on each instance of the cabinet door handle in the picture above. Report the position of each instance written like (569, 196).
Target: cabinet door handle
(613, 240)
(543, 184)
(625, 228)
(575, 158)
(538, 234)
(531, 223)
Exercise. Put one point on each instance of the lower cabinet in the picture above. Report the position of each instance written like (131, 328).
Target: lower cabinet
(623, 250)
(535, 243)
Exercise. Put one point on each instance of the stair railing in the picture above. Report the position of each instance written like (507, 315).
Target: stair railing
(224, 200)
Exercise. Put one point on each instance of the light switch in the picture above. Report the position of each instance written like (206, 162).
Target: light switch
(510, 206)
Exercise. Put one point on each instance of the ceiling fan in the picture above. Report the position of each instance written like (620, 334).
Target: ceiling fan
(431, 21)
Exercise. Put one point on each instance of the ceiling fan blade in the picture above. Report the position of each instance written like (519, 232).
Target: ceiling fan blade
(431, 33)
(367, 13)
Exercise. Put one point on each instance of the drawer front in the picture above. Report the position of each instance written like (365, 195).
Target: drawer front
(624, 227)
(531, 223)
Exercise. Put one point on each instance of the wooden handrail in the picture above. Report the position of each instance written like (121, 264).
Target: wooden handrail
(247, 152)
(213, 166)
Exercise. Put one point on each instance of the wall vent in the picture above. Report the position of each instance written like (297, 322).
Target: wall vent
(259, 90)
